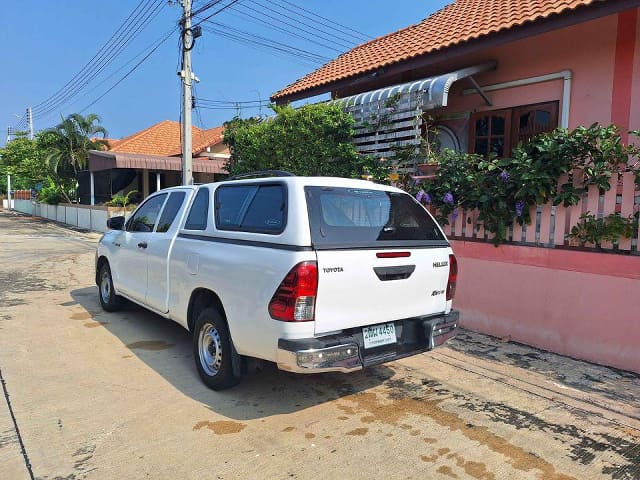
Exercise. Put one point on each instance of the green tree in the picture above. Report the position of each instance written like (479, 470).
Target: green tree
(310, 140)
(25, 161)
(69, 142)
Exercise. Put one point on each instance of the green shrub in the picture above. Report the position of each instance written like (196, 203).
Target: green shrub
(51, 193)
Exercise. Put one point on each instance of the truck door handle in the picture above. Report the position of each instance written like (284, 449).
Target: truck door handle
(142, 245)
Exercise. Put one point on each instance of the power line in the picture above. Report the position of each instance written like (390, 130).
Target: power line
(364, 36)
(204, 8)
(103, 58)
(344, 39)
(124, 65)
(232, 102)
(238, 107)
(312, 36)
(117, 49)
(131, 70)
(91, 61)
(216, 12)
(263, 42)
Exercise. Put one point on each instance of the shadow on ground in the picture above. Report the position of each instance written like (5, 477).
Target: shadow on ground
(166, 348)
(612, 383)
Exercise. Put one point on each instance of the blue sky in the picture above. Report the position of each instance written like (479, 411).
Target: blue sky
(47, 43)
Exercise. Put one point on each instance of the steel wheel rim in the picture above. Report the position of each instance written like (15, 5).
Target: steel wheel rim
(210, 349)
(105, 286)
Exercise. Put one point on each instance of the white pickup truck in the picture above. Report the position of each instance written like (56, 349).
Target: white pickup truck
(315, 274)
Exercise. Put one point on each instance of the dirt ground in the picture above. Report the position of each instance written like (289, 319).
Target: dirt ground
(88, 394)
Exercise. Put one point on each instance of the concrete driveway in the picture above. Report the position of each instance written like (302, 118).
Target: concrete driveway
(87, 394)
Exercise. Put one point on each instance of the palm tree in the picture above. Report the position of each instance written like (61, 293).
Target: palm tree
(70, 141)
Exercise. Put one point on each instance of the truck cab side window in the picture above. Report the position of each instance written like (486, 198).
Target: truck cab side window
(197, 218)
(145, 217)
(170, 211)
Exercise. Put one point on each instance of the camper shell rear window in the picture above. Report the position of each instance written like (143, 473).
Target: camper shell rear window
(363, 218)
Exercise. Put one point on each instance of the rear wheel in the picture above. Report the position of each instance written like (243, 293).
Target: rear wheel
(213, 350)
(108, 298)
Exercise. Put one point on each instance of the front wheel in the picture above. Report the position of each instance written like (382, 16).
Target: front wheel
(108, 298)
(213, 350)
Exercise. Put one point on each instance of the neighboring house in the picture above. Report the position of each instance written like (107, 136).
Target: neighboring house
(150, 160)
(490, 73)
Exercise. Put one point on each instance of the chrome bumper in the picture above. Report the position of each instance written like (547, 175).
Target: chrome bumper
(346, 353)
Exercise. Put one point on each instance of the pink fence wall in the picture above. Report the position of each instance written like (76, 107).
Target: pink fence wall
(582, 304)
(585, 304)
(550, 224)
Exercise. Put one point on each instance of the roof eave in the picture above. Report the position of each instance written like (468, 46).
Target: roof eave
(582, 14)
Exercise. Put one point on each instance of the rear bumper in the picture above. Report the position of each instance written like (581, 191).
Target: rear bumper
(345, 352)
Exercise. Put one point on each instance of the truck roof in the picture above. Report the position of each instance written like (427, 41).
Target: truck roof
(314, 181)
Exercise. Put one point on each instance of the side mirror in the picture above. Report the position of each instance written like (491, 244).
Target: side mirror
(116, 223)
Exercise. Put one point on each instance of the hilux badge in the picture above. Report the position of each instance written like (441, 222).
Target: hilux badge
(440, 264)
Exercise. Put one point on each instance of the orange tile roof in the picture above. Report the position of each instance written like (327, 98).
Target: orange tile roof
(111, 142)
(459, 22)
(164, 139)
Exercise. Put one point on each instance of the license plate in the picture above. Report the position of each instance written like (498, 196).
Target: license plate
(377, 335)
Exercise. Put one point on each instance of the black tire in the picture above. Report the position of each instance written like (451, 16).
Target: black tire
(213, 350)
(108, 298)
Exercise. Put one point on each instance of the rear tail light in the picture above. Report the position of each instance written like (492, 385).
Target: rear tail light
(295, 298)
(453, 277)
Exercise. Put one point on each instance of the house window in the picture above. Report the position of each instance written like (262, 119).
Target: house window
(500, 131)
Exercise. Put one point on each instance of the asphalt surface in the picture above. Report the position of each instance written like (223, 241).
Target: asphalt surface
(88, 394)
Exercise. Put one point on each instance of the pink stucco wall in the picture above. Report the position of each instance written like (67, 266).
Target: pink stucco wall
(581, 304)
(587, 49)
(634, 119)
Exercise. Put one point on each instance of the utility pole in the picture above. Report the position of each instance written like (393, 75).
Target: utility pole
(187, 79)
(30, 122)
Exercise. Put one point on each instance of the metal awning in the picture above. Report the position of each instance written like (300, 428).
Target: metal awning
(108, 160)
(434, 91)
(391, 117)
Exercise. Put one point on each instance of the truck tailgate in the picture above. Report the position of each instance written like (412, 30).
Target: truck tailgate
(357, 288)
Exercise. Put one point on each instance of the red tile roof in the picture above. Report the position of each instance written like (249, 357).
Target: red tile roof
(164, 139)
(461, 21)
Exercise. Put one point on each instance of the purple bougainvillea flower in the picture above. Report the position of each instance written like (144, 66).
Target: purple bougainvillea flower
(454, 214)
(519, 207)
(448, 198)
(504, 176)
(417, 181)
(426, 198)
(420, 195)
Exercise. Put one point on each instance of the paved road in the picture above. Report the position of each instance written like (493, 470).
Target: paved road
(100, 396)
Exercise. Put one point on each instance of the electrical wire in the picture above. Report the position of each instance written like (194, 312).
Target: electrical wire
(124, 65)
(115, 46)
(203, 138)
(205, 7)
(91, 61)
(208, 100)
(310, 37)
(260, 41)
(230, 4)
(355, 34)
(135, 67)
(339, 38)
(139, 26)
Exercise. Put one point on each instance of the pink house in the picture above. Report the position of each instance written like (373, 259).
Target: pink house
(490, 74)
